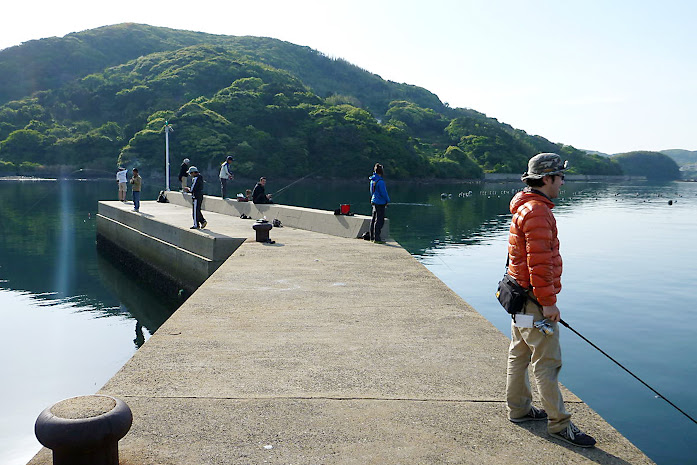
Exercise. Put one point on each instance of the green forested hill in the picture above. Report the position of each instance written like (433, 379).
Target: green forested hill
(682, 157)
(101, 97)
(653, 165)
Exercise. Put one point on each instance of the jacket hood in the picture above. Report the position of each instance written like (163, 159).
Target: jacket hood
(526, 195)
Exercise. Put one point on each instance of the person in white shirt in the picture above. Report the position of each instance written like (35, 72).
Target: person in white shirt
(225, 176)
(122, 180)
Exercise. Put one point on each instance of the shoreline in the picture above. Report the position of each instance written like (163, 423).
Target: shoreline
(493, 178)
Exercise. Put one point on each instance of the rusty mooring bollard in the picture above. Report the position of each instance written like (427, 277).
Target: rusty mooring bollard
(84, 430)
(262, 228)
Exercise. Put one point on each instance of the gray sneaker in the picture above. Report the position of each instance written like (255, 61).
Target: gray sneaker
(574, 436)
(535, 414)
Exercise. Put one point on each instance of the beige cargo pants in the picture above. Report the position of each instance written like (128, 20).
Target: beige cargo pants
(531, 346)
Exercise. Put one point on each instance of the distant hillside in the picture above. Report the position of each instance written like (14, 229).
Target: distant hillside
(686, 159)
(682, 157)
(653, 165)
(98, 97)
(595, 152)
(53, 62)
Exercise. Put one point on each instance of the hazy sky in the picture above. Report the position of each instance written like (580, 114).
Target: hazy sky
(610, 75)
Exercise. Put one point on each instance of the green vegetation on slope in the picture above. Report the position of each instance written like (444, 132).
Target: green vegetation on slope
(653, 165)
(280, 108)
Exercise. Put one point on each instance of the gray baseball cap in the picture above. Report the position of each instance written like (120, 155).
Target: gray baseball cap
(193, 169)
(544, 164)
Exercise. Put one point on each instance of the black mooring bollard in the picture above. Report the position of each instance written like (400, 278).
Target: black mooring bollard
(262, 228)
(84, 430)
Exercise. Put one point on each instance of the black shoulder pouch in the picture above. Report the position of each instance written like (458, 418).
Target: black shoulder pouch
(511, 295)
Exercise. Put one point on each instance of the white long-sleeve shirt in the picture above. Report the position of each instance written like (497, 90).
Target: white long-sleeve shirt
(225, 171)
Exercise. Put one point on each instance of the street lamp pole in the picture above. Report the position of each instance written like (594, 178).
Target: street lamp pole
(168, 129)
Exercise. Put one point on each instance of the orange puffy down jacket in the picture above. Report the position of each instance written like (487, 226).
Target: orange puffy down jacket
(533, 246)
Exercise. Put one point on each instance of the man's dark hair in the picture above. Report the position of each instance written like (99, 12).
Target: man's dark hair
(378, 169)
(534, 182)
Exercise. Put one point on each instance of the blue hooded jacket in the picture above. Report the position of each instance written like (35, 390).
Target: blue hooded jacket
(378, 190)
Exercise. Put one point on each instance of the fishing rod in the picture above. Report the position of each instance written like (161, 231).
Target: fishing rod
(564, 323)
(64, 178)
(296, 181)
(50, 191)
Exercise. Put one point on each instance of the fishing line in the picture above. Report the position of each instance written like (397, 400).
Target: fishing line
(49, 191)
(57, 183)
(410, 204)
(621, 366)
(296, 181)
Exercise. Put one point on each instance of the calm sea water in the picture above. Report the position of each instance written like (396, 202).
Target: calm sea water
(630, 265)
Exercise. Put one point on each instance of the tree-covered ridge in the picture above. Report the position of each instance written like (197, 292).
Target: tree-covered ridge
(653, 165)
(50, 63)
(282, 109)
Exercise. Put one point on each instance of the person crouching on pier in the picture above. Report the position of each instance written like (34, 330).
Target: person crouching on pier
(196, 190)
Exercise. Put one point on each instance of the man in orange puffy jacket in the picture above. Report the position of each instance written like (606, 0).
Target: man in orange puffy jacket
(535, 263)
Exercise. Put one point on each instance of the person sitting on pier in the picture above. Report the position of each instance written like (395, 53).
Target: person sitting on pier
(259, 194)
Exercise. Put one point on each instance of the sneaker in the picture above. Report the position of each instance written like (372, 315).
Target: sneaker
(203, 225)
(194, 227)
(574, 436)
(535, 414)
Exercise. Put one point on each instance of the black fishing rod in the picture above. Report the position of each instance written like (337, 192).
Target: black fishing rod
(57, 183)
(65, 177)
(296, 181)
(621, 366)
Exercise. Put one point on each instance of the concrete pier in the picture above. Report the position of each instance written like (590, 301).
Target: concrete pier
(321, 349)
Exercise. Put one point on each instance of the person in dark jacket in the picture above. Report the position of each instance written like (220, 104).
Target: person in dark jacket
(379, 200)
(196, 190)
(184, 173)
(259, 194)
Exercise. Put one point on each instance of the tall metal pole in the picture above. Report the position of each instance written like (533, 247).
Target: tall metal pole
(168, 128)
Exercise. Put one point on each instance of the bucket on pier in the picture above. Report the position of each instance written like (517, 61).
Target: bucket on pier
(345, 208)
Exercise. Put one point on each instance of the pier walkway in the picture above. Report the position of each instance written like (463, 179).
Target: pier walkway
(327, 350)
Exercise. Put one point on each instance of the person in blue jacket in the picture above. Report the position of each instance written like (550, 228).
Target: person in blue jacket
(379, 200)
